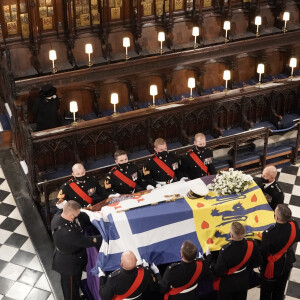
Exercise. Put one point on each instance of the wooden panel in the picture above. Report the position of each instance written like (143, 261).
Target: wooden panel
(182, 33)
(239, 23)
(79, 48)
(84, 96)
(245, 69)
(276, 63)
(213, 75)
(143, 87)
(149, 41)
(107, 89)
(212, 27)
(179, 83)
(115, 41)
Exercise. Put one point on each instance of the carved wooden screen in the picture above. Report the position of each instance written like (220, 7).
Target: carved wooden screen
(14, 18)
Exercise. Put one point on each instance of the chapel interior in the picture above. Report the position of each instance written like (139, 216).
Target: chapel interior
(226, 68)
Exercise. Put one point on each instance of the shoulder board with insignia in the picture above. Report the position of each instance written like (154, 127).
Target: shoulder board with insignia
(113, 168)
(174, 265)
(270, 228)
(226, 246)
(115, 273)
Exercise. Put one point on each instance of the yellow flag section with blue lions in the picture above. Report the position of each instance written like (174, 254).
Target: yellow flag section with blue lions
(214, 214)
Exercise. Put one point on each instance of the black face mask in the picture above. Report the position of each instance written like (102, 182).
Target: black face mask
(82, 178)
(265, 180)
(124, 165)
(163, 154)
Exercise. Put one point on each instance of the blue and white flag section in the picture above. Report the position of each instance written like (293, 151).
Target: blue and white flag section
(154, 233)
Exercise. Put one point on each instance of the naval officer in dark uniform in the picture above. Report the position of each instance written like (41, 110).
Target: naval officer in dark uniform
(81, 188)
(197, 162)
(70, 256)
(270, 186)
(162, 167)
(180, 280)
(125, 177)
(278, 254)
(235, 261)
(128, 282)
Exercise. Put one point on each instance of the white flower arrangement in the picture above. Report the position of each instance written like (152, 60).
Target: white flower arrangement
(231, 182)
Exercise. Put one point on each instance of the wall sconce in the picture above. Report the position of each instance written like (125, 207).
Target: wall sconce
(161, 39)
(260, 70)
(53, 57)
(257, 23)
(195, 33)
(226, 27)
(293, 64)
(153, 93)
(89, 50)
(114, 99)
(191, 85)
(226, 77)
(126, 44)
(74, 109)
(286, 17)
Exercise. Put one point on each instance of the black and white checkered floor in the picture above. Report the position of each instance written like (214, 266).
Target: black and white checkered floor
(21, 274)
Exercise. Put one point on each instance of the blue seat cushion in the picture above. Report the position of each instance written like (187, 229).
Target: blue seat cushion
(279, 149)
(247, 157)
(90, 116)
(209, 137)
(287, 120)
(264, 124)
(138, 154)
(221, 162)
(232, 131)
(147, 104)
(185, 96)
(174, 145)
(5, 121)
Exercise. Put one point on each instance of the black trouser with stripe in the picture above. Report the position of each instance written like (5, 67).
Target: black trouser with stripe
(70, 285)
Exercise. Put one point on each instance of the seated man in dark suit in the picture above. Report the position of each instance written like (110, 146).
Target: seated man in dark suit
(270, 187)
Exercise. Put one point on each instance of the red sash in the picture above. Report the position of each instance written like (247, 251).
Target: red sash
(137, 282)
(164, 167)
(81, 193)
(198, 161)
(272, 258)
(124, 178)
(175, 291)
(248, 254)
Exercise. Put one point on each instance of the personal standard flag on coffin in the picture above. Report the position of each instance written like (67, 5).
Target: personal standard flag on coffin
(156, 232)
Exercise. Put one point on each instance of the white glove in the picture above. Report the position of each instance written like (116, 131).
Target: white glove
(114, 195)
(145, 264)
(207, 251)
(154, 268)
(150, 187)
(200, 255)
(184, 179)
(101, 273)
(61, 204)
(158, 185)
